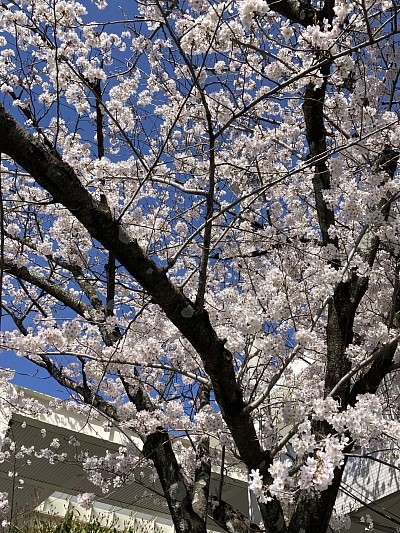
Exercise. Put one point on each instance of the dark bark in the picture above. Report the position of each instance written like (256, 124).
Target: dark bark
(158, 448)
(61, 294)
(369, 382)
(272, 515)
(339, 332)
(202, 475)
(110, 267)
(316, 137)
(300, 12)
(230, 519)
(313, 511)
(110, 271)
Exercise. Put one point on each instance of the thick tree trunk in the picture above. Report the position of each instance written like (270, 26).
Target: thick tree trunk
(158, 448)
(313, 510)
(273, 518)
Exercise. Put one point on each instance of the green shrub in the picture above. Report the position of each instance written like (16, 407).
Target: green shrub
(69, 524)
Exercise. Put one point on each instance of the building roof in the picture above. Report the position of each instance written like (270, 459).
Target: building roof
(45, 486)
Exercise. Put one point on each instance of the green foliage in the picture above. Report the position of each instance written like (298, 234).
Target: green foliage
(69, 524)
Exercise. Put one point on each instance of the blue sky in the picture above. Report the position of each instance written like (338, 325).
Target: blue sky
(28, 374)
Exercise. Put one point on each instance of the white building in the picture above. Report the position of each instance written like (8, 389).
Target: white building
(52, 488)
(369, 486)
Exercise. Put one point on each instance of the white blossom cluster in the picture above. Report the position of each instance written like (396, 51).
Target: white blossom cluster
(85, 500)
(4, 506)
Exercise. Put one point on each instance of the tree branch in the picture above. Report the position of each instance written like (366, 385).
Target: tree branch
(90, 397)
(158, 448)
(231, 519)
(300, 12)
(51, 288)
(202, 475)
(382, 365)
(60, 180)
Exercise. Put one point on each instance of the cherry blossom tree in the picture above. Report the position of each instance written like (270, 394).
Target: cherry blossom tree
(200, 235)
